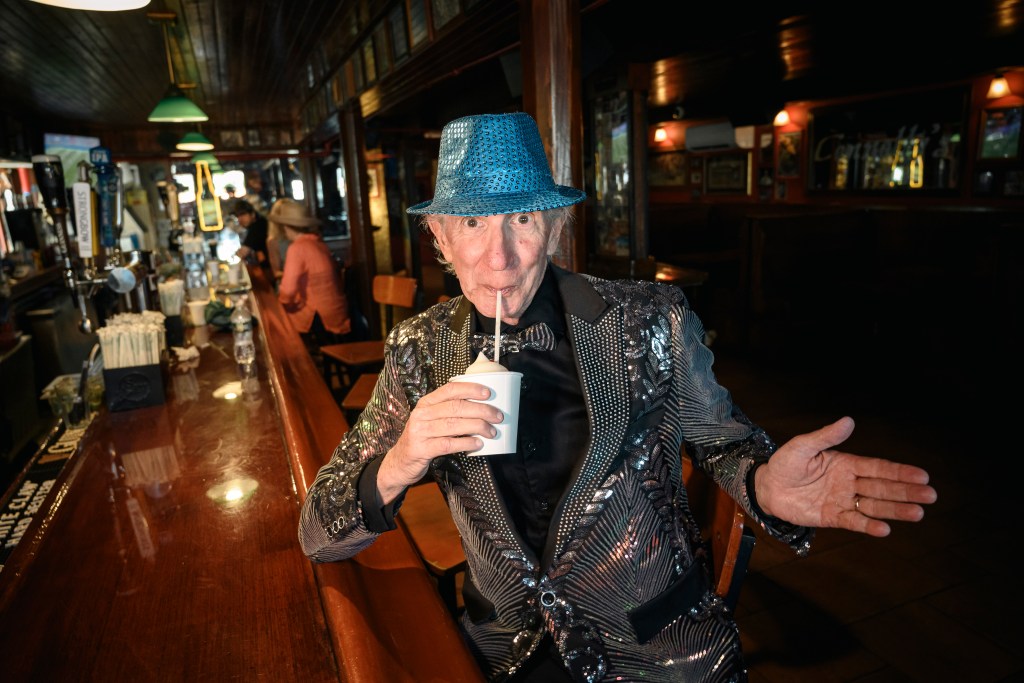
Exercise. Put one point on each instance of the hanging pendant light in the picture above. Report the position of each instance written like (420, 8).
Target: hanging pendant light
(96, 5)
(209, 159)
(175, 107)
(194, 142)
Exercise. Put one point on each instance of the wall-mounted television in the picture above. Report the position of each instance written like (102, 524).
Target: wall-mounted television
(71, 149)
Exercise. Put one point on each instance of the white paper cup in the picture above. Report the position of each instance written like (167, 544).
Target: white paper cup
(197, 312)
(504, 388)
(234, 272)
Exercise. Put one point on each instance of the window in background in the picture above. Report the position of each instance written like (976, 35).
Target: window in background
(186, 181)
(222, 180)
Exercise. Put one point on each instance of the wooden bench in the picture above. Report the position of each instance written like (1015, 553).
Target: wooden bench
(428, 524)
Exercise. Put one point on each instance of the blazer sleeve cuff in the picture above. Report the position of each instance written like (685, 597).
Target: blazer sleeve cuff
(377, 516)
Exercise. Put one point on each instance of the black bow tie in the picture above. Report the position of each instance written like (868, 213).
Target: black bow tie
(536, 337)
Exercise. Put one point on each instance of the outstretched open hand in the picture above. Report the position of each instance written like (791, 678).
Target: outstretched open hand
(807, 482)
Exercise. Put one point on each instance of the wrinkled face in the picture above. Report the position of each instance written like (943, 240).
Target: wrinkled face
(507, 252)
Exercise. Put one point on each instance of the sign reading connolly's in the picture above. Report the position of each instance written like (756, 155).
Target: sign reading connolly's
(907, 143)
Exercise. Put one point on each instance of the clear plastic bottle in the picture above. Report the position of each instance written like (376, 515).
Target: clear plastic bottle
(245, 349)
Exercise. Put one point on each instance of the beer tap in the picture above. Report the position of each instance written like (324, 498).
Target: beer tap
(50, 179)
(126, 275)
(49, 173)
(168, 190)
(110, 190)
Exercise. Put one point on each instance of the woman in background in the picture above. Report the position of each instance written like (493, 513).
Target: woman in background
(277, 241)
(311, 288)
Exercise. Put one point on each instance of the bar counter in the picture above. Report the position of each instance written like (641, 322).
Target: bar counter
(167, 548)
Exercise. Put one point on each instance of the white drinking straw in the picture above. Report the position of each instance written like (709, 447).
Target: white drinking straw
(497, 328)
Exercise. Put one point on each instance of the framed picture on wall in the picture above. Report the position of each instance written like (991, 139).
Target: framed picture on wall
(789, 155)
(1000, 133)
(727, 173)
(232, 138)
(668, 168)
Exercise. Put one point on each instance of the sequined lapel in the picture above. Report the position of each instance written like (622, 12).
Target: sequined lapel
(597, 335)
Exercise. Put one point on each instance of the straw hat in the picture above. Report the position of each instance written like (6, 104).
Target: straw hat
(491, 164)
(293, 214)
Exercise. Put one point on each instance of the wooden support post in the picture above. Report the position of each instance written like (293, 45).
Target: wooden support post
(552, 94)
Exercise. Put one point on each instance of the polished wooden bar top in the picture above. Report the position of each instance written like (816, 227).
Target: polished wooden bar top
(169, 550)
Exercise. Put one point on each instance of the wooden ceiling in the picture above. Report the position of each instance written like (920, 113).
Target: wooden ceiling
(253, 63)
(246, 59)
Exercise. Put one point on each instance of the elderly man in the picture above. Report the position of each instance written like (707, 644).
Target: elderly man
(581, 548)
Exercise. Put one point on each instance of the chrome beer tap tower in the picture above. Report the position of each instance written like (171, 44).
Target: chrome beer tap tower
(82, 276)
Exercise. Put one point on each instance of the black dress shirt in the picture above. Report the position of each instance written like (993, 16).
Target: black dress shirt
(553, 424)
(553, 430)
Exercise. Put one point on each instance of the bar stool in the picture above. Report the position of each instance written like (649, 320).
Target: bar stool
(359, 395)
(347, 361)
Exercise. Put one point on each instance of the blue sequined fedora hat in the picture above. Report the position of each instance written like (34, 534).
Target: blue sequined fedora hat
(491, 164)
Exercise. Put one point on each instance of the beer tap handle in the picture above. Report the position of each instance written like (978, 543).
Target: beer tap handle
(49, 173)
(119, 204)
(50, 179)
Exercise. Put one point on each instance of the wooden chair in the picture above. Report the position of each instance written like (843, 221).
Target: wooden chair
(358, 396)
(347, 361)
(428, 524)
(722, 527)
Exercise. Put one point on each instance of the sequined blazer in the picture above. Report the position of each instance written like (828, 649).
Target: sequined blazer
(623, 585)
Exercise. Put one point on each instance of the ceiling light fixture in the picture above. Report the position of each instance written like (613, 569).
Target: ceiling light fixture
(175, 107)
(194, 142)
(998, 87)
(209, 159)
(96, 5)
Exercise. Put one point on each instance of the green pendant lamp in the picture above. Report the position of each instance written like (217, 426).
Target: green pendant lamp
(210, 159)
(175, 107)
(195, 142)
